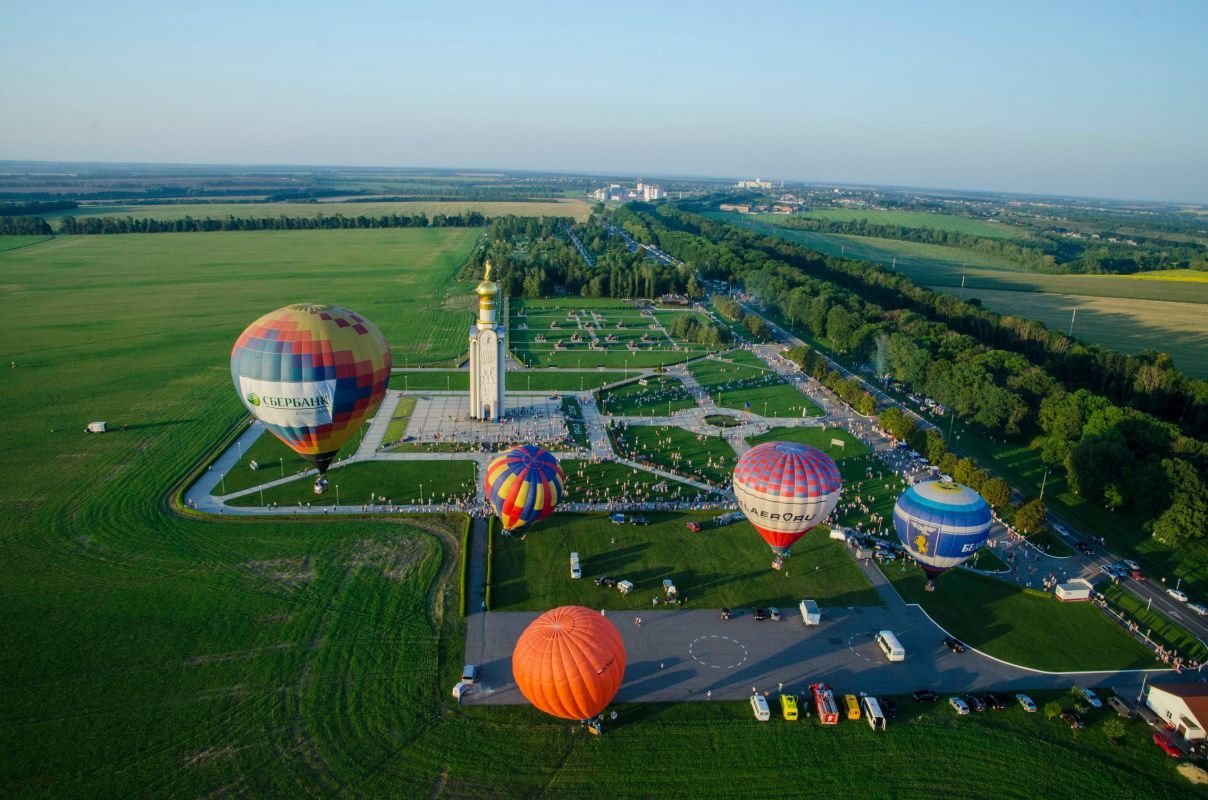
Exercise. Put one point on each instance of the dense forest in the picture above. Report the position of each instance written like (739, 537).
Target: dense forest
(189, 224)
(1123, 428)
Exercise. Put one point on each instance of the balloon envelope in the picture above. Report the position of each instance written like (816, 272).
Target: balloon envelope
(312, 374)
(523, 485)
(786, 488)
(941, 523)
(569, 662)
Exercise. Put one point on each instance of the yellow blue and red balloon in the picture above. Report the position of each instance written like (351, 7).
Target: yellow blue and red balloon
(312, 374)
(523, 485)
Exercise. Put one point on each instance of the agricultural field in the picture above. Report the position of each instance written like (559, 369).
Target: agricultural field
(1022, 626)
(362, 482)
(715, 568)
(661, 396)
(1125, 313)
(914, 219)
(705, 458)
(578, 209)
(15, 242)
(605, 481)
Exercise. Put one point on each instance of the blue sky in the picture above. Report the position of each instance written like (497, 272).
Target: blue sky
(1103, 99)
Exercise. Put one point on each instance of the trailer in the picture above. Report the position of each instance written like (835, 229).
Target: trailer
(810, 613)
(722, 520)
(824, 701)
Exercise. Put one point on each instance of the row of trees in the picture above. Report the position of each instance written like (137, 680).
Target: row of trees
(190, 224)
(1000, 390)
(691, 328)
(24, 226)
(849, 390)
(35, 207)
(754, 324)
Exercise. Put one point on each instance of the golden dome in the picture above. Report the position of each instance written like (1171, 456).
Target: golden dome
(487, 287)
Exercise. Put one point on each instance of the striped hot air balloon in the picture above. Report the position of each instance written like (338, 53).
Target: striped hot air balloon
(569, 662)
(523, 485)
(312, 374)
(785, 488)
(941, 523)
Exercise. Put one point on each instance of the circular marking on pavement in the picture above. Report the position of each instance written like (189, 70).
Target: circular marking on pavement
(718, 652)
(851, 644)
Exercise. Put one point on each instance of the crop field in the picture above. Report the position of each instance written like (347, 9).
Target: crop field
(1130, 315)
(660, 396)
(578, 209)
(388, 482)
(715, 568)
(605, 481)
(915, 219)
(1022, 626)
(705, 458)
(159, 654)
(15, 242)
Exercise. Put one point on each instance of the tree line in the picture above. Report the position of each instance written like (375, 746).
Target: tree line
(189, 224)
(24, 226)
(971, 361)
(36, 207)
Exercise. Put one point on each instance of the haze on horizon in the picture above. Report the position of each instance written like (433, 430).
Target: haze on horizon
(1092, 99)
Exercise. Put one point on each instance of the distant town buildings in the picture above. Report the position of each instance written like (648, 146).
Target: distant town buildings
(615, 192)
(755, 184)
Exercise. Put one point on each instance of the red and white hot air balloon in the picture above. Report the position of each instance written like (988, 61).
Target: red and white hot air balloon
(785, 488)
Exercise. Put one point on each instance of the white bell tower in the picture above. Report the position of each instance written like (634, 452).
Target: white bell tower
(488, 341)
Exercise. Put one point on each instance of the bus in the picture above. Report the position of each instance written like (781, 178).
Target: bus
(890, 646)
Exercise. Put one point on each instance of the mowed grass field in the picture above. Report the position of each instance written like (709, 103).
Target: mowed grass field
(152, 654)
(383, 482)
(705, 458)
(714, 568)
(578, 209)
(914, 219)
(1168, 313)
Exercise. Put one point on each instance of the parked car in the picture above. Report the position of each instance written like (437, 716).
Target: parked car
(998, 701)
(925, 696)
(975, 703)
(1073, 720)
(1120, 706)
(1114, 571)
(759, 706)
(1026, 703)
(1090, 697)
(1061, 529)
(1085, 549)
(469, 674)
(1177, 594)
(889, 707)
(959, 706)
(725, 613)
(760, 614)
(605, 580)
(954, 644)
(1167, 744)
(639, 521)
(694, 527)
(1130, 564)
(1199, 609)
(774, 613)
(1136, 574)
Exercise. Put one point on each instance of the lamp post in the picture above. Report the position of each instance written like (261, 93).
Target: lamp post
(337, 494)
(223, 479)
(421, 494)
(281, 461)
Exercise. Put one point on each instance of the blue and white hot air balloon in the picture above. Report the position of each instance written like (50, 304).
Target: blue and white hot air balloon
(941, 523)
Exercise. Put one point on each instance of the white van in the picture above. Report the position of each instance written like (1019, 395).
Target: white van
(810, 613)
(873, 713)
(759, 705)
(575, 572)
(890, 646)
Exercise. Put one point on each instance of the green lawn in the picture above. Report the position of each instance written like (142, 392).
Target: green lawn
(736, 365)
(14, 242)
(518, 381)
(1158, 627)
(397, 428)
(1021, 626)
(915, 219)
(659, 397)
(606, 481)
(399, 482)
(819, 438)
(705, 458)
(718, 567)
(776, 400)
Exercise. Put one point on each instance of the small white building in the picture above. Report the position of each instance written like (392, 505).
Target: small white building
(1077, 589)
(97, 427)
(1183, 705)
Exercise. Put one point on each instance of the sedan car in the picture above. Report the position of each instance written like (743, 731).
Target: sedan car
(1177, 594)
(1026, 703)
(954, 644)
(1199, 609)
(1085, 549)
(1073, 720)
(1091, 698)
(888, 707)
(1167, 744)
(959, 706)
(760, 614)
(725, 613)
(774, 613)
(975, 702)
(1130, 564)
(925, 696)
(998, 701)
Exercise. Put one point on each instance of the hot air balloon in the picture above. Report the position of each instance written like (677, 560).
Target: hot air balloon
(569, 662)
(941, 523)
(785, 488)
(312, 374)
(524, 484)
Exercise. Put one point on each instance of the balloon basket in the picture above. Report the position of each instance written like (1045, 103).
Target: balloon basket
(929, 586)
(321, 486)
(778, 563)
(595, 728)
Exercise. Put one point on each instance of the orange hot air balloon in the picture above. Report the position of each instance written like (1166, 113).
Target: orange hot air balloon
(569, 662)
